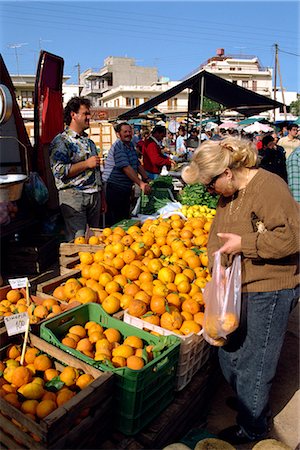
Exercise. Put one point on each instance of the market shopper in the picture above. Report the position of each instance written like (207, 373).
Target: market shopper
(272, 158)
(75, 165)
(122, 167)
(290, 142)
(293, 172)
(258, 218)
(153, 159)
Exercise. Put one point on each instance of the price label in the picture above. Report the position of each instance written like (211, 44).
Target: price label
(18, 283)
(16, 324)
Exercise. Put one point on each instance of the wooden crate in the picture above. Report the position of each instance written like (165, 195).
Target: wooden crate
(45, 290)
(68, 263)
(63, 428)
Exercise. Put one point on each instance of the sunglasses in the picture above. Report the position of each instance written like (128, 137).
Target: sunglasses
(211, 184)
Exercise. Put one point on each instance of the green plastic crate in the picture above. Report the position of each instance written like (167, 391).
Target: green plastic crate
(140, 395)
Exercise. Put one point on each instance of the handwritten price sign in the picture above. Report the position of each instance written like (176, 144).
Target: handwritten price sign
(16, 324)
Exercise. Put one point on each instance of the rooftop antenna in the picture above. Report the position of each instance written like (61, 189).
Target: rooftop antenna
(43, 40)
(16, 46)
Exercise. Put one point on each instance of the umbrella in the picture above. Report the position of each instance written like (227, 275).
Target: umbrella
(251, 120)
(210, 126)
(228, 124)
(257, 127)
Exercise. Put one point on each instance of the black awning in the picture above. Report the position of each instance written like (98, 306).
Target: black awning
(217, 89)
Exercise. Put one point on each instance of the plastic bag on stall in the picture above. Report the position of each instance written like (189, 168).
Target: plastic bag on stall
(36, 189)
(170, 209)
(222, 296)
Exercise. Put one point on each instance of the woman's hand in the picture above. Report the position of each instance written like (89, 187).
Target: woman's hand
(232, 244)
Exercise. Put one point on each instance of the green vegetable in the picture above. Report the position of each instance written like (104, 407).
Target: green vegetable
(197, 194)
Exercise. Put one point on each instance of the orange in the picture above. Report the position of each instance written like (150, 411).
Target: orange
(29, 406)
(85, 271)
(13, 295)
(200, 282)
(154, 319)
(131, 271)
(160, 290)
(13, 351)
(155, 249)
(86, 295)
(129, 255)
(84, 345)
(194, 290)
(207, 226)
(69, 342)
(118, 262)
(190, 326)
(186, 234)
(145, 276)
(137, 308)
(189, 273)
(166, 275)
(127, 240)
(171, 320)
(118, 361)
(49, 302)
(105, 278)
(198, 296)
(13, 400)
(40, 311)
(95, 336)
(154, 265)
(119, 230)
(50, 373)
(190, 306)
(166, 250)
(134, 341)
(111, 304)
(135, 362)
(86, 257)
(79, 240)
(42, 362)
(84, 380)
(204, 259)
(59, 293)
(184, 287)
(173, 299)
(30, 355)
(95, 271)
(112, 335)
(78, 330)
(69, 375)
(142, 295)
(99, 256)
(158, 304)
(199, 318)
(94, 240)
(131, 289)
(107, 232)
(112, 286)
(123, 350)
(124, 301)
(20, 376)
(187, 315)
(147, 286)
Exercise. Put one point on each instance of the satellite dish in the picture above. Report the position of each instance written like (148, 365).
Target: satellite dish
(173, 126)
(6, 104)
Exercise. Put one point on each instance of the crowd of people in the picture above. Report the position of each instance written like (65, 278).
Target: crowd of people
(137, 157)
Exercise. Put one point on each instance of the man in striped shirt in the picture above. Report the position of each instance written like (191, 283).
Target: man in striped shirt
(293, 170)
(121, 171)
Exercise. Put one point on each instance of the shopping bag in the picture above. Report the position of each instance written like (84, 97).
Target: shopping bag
(222, 296)
(36, 189)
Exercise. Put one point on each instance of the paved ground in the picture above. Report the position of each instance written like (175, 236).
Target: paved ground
(285, 395)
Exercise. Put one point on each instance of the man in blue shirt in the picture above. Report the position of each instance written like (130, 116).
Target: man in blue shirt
(120, 173)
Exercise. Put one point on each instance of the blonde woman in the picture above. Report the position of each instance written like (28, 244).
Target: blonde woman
(258, 218)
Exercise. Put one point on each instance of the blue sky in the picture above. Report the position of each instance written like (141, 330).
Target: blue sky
(174, 36)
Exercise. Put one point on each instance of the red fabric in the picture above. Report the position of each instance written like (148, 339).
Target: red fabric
(259, 145)
(153, 160)
(52, 116)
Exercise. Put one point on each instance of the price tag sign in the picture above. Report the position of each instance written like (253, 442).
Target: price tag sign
(16, 324)
(18, 283)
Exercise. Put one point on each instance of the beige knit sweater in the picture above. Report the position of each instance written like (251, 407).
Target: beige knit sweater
(270, 256)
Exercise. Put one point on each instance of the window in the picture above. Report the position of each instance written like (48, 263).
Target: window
(137, 102)
(27, 99)
(245, 84)
(234, 81)
(232, 68)
(116, 102)
(146, 99)
(254, 85)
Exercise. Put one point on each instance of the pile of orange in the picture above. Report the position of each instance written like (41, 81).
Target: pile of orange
(15, 303)
(26, 387)
(108, 344)
(158, 269)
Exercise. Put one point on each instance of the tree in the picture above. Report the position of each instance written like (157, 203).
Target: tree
(211, 107)
(295, 106)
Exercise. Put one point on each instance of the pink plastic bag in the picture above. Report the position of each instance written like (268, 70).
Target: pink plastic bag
(222, 296)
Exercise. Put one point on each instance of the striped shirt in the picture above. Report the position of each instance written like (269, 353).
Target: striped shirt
(69, 148)
(120, 156)
(293, 170)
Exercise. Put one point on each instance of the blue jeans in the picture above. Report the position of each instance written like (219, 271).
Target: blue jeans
(250, 358)
(151, 175)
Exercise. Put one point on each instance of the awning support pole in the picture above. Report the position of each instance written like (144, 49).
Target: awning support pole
(201, 100)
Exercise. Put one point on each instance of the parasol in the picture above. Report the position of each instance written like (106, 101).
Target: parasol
(258, 127)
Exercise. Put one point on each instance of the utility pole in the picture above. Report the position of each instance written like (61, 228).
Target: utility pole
(281, 87)
(275, 76)
(78, 76)
(15, 47)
